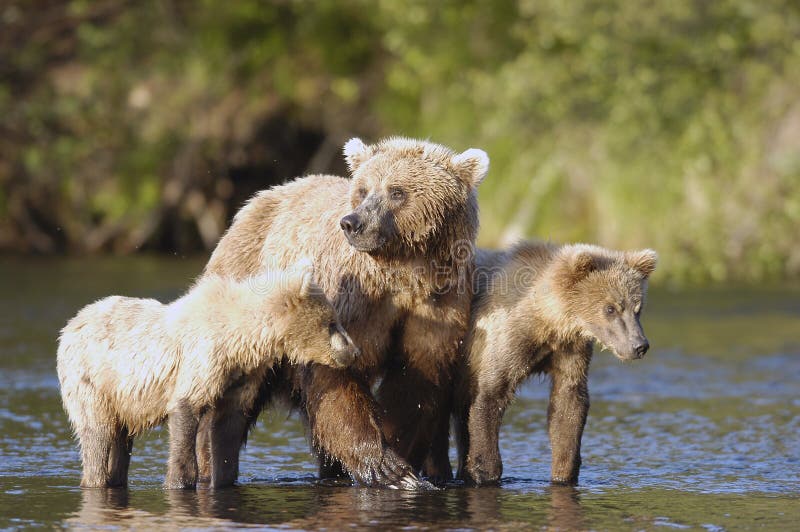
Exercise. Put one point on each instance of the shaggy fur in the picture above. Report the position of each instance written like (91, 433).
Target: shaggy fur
(398, 278)
(538, 308)
(126, 364)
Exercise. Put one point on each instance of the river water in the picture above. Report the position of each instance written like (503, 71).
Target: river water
(704, 433)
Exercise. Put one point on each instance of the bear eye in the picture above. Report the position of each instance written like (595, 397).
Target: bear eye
(610, 310)
(332, 327)
(362, 193)
(397, 194)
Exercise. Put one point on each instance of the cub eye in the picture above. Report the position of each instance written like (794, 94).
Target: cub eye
(397, 194)
(332, 327)
(610, 310)
(362, 193)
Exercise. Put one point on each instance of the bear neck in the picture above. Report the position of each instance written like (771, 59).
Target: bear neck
(453, 247)
(441, 263)
(550, 314)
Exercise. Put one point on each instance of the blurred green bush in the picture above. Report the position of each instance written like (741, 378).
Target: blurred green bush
(673, 125)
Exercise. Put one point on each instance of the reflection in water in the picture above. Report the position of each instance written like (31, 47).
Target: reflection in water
(112, 508)
(565, 509)
(313, 507)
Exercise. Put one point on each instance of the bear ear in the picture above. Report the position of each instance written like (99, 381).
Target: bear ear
(580, 265)
(307, 284)
(472, 166)
(355, 153)
(643, 261)
(298, 281)
(304, 270)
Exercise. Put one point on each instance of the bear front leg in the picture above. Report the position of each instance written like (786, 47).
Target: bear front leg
(416, 391)
(437, 465)
(566, 415)
(413, 404)
(345, 426)
(182, 466)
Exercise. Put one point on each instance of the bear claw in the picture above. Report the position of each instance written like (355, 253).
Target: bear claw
(393, 472)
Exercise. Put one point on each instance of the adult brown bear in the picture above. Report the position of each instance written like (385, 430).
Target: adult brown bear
(393, 249)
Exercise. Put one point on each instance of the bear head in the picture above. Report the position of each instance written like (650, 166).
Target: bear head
(602, 293)
(408, 195)
(308, 322)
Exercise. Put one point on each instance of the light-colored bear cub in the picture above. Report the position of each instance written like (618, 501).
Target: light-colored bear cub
(538, 307)
(127, 364)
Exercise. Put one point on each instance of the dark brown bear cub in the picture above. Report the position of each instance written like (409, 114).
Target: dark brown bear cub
(538, 308)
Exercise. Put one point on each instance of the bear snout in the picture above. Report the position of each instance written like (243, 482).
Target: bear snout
(344, 351)
(346, 356)
(352, 224)
(641, 348)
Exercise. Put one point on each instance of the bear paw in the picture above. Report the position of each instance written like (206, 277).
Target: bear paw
(392, 472)
(482, 476)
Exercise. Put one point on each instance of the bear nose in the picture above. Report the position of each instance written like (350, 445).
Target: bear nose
(641, 349)
(351, 224)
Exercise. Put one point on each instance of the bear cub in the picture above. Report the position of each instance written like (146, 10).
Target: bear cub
(538, 308)
(127, 364)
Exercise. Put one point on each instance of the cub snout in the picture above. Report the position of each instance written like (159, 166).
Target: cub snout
(640, 349)
(344, 351)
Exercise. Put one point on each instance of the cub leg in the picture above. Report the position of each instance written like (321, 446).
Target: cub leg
(96, 443)
(182, 466)
(120, 458)
(483, 464)
(231, 418)
(203, 447)
(461, 429)
(566, 414)
(228, 432)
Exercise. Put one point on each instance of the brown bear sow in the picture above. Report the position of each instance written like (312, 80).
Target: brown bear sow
(537, 309)
(392, 248)
(127, 364)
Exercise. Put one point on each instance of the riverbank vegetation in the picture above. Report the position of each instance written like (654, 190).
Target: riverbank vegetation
(144, 125)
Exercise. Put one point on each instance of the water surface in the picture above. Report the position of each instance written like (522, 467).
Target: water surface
(701, 434)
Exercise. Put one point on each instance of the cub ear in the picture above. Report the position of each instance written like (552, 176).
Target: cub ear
(304, 269)
(355, 153)
(299, 280)
(307, 284)
(472, 166)
(579, 266)
(643, 261)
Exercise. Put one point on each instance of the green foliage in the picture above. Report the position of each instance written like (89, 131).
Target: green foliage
(673, 125)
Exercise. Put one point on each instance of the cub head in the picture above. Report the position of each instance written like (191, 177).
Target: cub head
(603, 293)
(405, 192)
(310, 325)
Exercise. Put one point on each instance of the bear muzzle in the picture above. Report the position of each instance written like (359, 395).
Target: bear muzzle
(344, 351)
(352, 224)
(363, 233)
